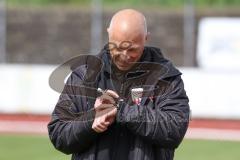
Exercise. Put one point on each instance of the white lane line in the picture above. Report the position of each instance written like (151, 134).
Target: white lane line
(214, 134)
(23, 127)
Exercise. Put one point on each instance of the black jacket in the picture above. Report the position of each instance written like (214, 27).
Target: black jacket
(149, 131)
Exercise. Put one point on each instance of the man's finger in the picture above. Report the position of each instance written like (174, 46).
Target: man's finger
(112, 93)
(111, 113)
(105, 98)
(102, 126)
(104, 106)
(98, 129)
(105, 123)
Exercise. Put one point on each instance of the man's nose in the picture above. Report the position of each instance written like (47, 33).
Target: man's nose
(125, 55)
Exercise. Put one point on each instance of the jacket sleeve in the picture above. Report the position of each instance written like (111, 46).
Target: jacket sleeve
(163, 122)
(70, 126)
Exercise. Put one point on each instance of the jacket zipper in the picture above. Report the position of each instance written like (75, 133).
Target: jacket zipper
(121, 89)
(117, 127)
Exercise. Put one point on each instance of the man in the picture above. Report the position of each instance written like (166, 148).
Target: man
(114, 125)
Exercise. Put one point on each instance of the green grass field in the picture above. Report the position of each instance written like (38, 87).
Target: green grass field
(17, 147)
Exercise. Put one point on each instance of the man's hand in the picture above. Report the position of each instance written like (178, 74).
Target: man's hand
(105, 107)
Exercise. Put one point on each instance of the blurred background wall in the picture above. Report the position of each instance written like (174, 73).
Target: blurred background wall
(50, 32)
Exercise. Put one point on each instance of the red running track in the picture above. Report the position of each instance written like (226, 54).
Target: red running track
(198, 129)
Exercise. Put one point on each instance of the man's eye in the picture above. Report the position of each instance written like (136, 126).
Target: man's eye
(111, 46)
(125, 45)
(130, 50)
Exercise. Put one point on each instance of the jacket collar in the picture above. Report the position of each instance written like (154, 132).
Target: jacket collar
(152, 59)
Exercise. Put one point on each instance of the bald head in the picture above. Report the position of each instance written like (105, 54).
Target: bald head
(127, 35)
(129, 23)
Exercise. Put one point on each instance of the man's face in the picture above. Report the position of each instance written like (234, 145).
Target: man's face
(125, 53)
